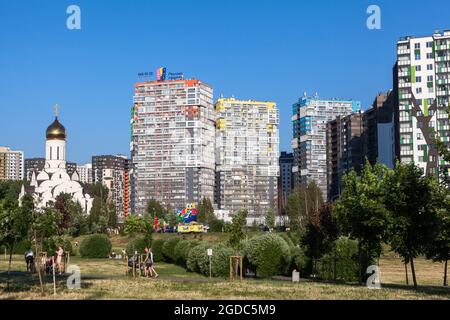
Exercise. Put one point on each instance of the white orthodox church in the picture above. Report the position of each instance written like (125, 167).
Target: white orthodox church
(54, 179)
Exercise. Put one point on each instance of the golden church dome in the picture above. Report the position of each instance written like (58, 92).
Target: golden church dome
(56, 131)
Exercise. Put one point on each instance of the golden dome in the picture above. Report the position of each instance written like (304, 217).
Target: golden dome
(56, 131)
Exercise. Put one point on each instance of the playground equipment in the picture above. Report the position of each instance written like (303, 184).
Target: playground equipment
(188, 214)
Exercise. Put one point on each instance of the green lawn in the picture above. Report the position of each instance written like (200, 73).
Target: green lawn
(106, 279)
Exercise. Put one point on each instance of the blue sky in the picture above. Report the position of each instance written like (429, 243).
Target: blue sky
(267, 50)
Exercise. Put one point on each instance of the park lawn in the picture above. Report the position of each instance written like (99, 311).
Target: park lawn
(106, 279)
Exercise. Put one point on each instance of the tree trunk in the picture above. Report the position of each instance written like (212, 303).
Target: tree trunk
(9, 265)
(413, 272)
(38, 266)
(406, 273)
(445, 272)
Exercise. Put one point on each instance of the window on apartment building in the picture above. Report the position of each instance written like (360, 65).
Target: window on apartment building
(419, 136)
(417, 56)
(418, 90)
(429, 67)
(417, 46)
(418, 68)
(430, 78)
(418, 79)
(430, 55)
(430, 44)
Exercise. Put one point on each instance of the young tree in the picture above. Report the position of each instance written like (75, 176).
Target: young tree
(270, 218)
(206, 212)
(361, 213)
(237, 229)
(412, 219)
(439, 248)
(14, 226)
(300, 201)
(155, 209)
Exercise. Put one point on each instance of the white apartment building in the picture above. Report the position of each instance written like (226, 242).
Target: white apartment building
(11, 164)
(247, 153)
(423, 84)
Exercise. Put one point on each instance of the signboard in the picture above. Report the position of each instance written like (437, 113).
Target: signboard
(209, 252)
(161, 75)
(175, 76)
(295, 276)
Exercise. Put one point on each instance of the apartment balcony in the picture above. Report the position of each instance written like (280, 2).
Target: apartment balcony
(443, 81)
(404, 74)
(404, 62)
(406, 130)
(443, 59)
(405, 96)
(442, 70)
(404, 85)
(444, 93)
(443, 47)
(403, 51)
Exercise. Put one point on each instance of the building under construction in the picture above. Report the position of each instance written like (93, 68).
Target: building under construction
(172, 143)
(247, 152)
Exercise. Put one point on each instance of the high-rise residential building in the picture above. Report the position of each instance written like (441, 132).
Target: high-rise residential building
(172, 143)
(423, 86)
(11, 164)
(247, 153)
(344, 150)
(112, 172)
(379, 139)
(33, 165)
(310, 118)
(286, 179)
(85, 173)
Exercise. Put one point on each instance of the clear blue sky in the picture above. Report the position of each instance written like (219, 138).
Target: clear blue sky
(265, 49)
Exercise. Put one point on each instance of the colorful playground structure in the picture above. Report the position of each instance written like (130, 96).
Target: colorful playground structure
(187, 220)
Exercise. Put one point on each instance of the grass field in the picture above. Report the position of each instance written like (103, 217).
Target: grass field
(106, 279)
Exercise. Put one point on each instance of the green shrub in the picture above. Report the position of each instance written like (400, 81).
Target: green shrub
(268, 255)
(182, 250)
(168, 249)
(217, 226)
(157, 246)
(138, 244)
(344, 262)
(300, 261)
(198, 259)
(95, 246)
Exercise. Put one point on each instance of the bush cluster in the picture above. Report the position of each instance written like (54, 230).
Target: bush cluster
(342, 262)
(95, 246)
(198, 259)
(157, 246)
(168, 250)
(182, 250)
(268, 255)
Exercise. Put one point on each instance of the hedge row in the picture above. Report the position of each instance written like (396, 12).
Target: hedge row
(95, 246)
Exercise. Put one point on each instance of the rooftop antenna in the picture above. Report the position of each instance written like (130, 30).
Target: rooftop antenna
(305, 94)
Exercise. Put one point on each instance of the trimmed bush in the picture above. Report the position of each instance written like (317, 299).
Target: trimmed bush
(344, 262)
(138, 244)
(268, 255)
(217, 226)
(168, 249)
(182, 250)
(95, 246)
(198, 259)
(198, 256)
(157, 246)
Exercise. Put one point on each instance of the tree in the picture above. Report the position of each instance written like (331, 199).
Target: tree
(300, 201)
(361, 213)
(155, 209)
(14, 225)
(270, 218)
(136, 224)
(206, 212)
(237, 229)
(412, 218)
(439, 248)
